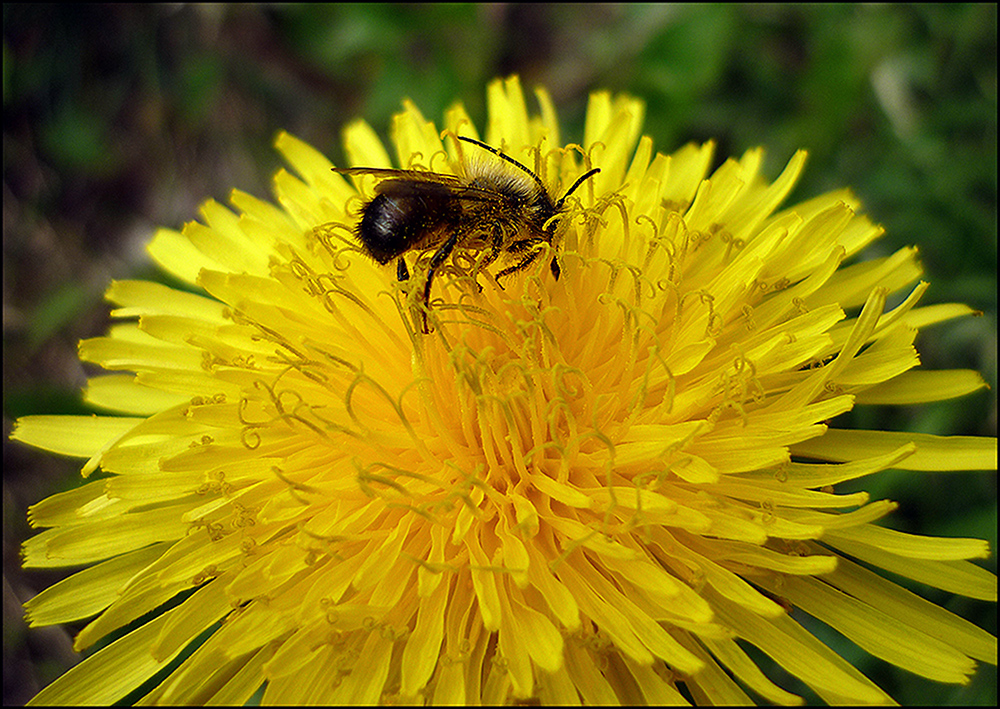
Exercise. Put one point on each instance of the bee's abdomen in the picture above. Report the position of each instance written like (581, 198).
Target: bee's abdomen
(392, 225)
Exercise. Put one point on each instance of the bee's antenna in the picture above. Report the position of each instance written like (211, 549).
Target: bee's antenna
(500, 155)
(580, 180)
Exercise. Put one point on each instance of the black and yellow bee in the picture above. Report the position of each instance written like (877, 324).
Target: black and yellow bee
(490, 206)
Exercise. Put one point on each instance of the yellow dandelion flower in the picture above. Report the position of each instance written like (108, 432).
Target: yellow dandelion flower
(598, 488)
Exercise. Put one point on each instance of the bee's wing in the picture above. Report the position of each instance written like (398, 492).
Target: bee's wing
(406, 183)
(387, 172)
(414, 183)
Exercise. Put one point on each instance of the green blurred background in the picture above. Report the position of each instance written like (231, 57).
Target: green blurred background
(119, 118)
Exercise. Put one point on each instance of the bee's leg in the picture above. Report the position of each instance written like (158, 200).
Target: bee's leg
(402, 274)
(436, 260)
(497, 245)
(520, 265)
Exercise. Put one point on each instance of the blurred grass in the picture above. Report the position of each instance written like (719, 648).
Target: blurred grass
(118, 118)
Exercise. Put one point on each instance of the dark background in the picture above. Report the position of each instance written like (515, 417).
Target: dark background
(119, 118)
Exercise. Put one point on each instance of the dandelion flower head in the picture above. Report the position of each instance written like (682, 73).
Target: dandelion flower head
(602, 488)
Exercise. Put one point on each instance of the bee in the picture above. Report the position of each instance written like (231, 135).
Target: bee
(490, 207)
